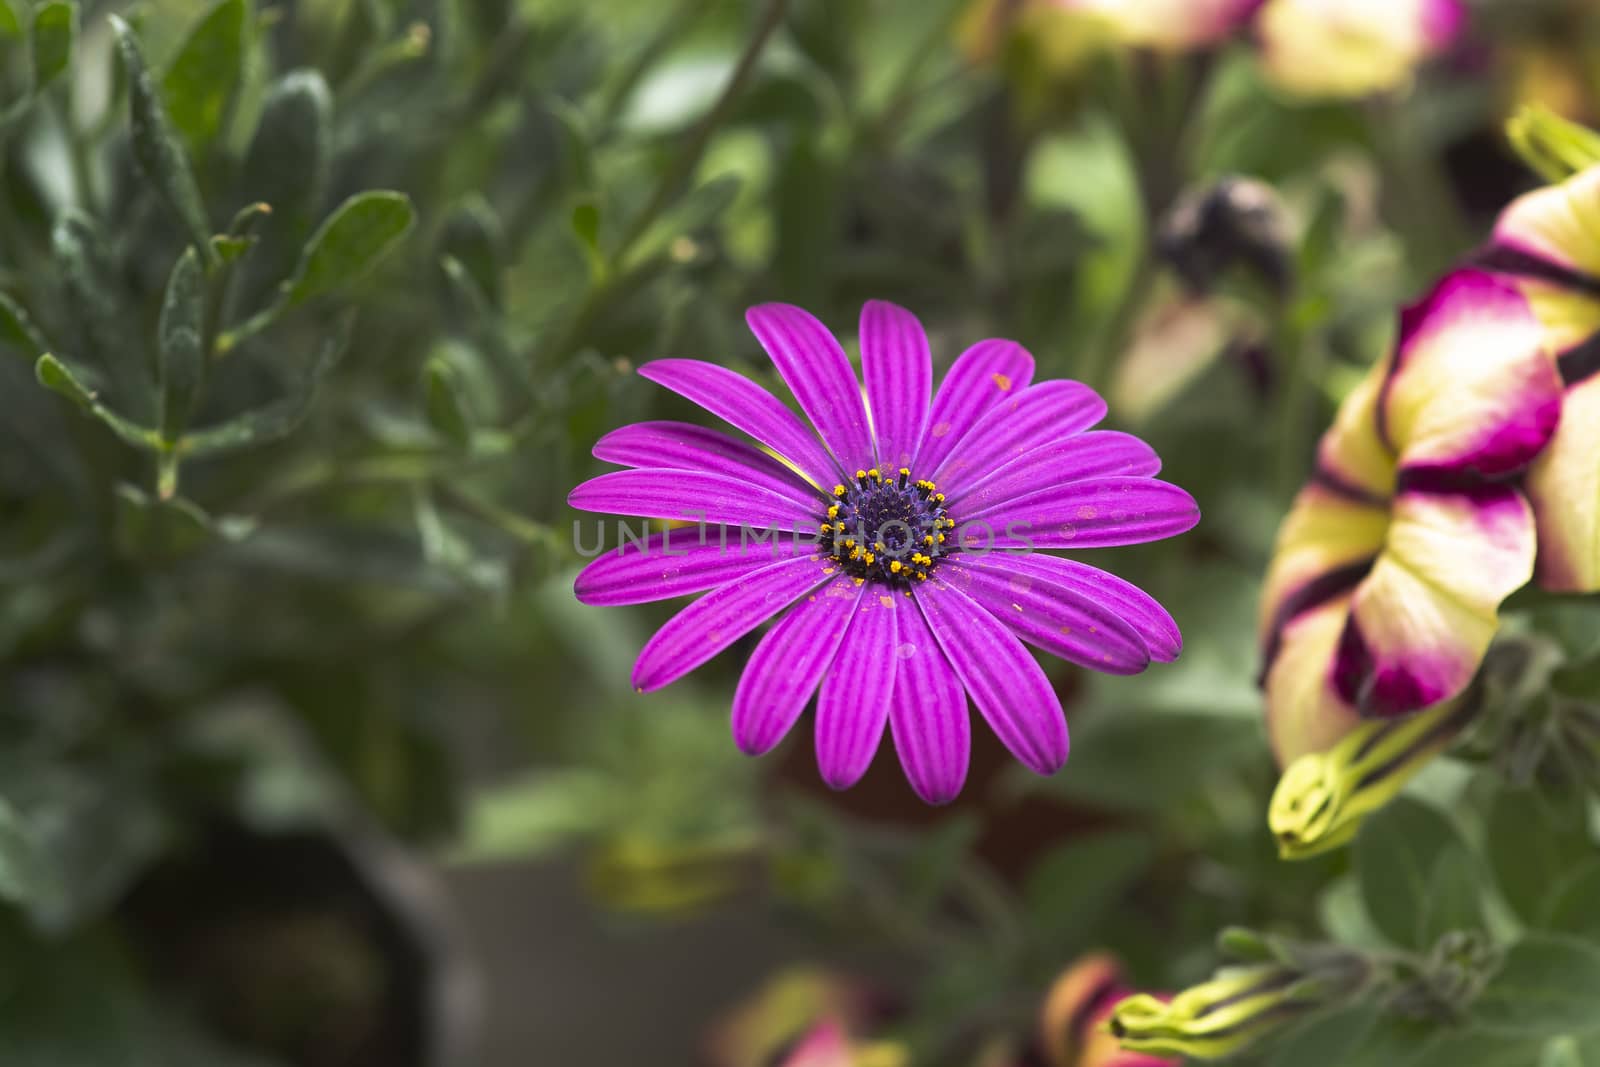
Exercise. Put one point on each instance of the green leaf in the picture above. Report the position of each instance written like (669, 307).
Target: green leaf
(1537, 843)
(1546, 984)
(181, 337)
(1070, 887)
(1561, 1051)
(1453, 901)
(156, 146)
(54, 375)
(473, 238)
(1325, 1040)
(10, 23)
(287, 164)
(586, 227)
(55, 27)
(18, 330)
(445, 405)
(1395, 856)
(200, 84)
(359, 233)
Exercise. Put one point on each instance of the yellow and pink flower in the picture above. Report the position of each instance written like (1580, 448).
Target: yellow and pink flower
(1547, 244)
(1346, 48)
(1390, 569)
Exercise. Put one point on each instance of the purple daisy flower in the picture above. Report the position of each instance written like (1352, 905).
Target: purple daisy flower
(900, 542)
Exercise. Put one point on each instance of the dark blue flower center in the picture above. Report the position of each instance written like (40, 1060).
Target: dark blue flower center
(890, 530)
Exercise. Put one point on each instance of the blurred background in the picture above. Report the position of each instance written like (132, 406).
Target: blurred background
(308, 756)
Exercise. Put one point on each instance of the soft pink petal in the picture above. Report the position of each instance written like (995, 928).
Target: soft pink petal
(676, 563)
(1304, 711)
(722, 616)
(899, 374)
(928, 713)
(787, 665)
(1019, 424)
(980, 378)
(1005, 683)
(818, 373)
(745, 405)
(1564, 487)
(854, 703)
(1472, 390)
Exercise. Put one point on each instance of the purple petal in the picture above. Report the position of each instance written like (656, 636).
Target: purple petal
(1096, 454)
(721, 617)
(1097, 513)
(1005, 683)
(1131, 604)
(693, 496)
(899, 375)
(682, 446)
(786, 666)
(676, 563)
(1021, 423)
(854, 702)
(928, 713)
(743, 404)
(980, 378)
(1058, 618)
(818, 373)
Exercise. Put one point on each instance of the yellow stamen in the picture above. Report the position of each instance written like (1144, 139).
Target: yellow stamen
(838, 490)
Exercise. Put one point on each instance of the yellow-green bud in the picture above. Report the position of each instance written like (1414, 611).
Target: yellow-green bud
(1323, 796)
(1554, 147)
(1219, 1017)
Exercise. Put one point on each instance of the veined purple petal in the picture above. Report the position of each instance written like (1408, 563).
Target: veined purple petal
(684, 446)
(928, 713)
(1130, 603)
(743, 404)
(1096, 454)
(692, 496)
(788, 664)
(1006, 684)
(1021, 423)
(721, 617)
(677, 563)
(1097, 513)
(818, 373)
(1050, 615)
(981, 377)
(899, 374)
(855, 697)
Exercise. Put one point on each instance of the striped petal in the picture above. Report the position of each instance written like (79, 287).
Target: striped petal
(1018, 424)
(683, 446)
(928, 712)
(1130, 603)
(1304, 711)
(1050, 615)
(854, 703)
(676, 563)
(1352, 457)
(980, 378)
(1550, 241)
(788, 664)
(1327, 544)
(818, 373)
(692, 496)
(1472, 391)
(899, 375)
(1096, 513)
(744, 405)
(721, 617)
(1005, 683)
(1096, 454)
(1421, 622)
(1564, 488)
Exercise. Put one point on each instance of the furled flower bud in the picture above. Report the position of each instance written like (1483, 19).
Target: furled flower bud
(1551, 145)
(1236, 1007)
(1323, 796)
